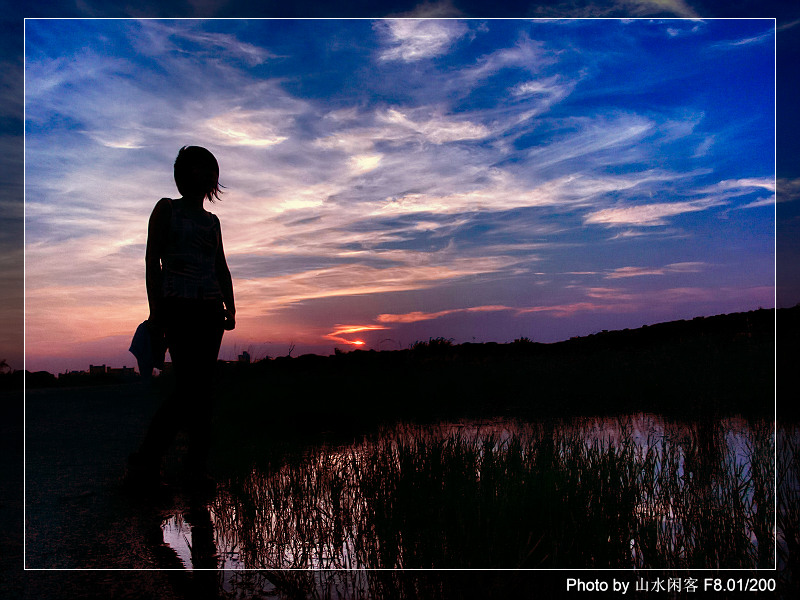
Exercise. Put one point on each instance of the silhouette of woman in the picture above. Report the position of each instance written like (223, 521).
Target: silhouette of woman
(190, 292)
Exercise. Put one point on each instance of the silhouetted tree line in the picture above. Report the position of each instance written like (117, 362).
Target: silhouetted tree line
(705, 366)
(13, 380)
(724, 363)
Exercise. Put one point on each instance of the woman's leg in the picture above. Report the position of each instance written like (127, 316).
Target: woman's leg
(194, 333)
(197, 331)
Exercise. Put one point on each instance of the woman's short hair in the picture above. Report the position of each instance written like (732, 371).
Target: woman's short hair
(197, 173)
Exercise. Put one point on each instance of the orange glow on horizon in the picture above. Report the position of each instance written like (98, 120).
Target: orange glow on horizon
(336, 335)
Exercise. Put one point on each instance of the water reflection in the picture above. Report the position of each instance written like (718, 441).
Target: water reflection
(788, 516)
(191, 535)
(177, 534)
(633, 491)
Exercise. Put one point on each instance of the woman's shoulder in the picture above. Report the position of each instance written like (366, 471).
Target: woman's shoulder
(214, 218)
(162, 210)
(164, 204)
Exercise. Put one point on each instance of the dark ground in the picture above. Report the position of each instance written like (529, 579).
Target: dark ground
(75, 517)
(77, 444)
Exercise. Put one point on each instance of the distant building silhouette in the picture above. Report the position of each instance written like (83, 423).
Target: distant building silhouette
(123, 372)
(244, 357)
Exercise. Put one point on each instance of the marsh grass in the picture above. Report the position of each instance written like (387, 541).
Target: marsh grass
(532, 496)
(788, 513)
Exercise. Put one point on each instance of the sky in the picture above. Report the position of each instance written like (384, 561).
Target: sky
(388, 181)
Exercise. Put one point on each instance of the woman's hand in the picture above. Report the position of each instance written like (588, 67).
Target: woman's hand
(155, 323)
(230, 320)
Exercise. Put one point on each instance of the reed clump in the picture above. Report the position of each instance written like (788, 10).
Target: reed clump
(531, 496)
(788, 505)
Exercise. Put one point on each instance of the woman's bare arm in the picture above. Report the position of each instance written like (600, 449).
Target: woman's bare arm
(225, 280)
(157, 232)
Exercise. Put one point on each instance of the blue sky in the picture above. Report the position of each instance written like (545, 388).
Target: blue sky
(395, 180)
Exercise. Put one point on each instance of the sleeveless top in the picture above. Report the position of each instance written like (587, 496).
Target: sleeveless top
(188, 265)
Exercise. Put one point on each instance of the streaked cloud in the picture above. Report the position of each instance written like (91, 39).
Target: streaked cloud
(619, 8)
(437, 130)
(408, 272)
(788, 189)
(247, 128)
(159, 38)
(527, 54)
(441, 9)
(743, 185)
(416, 316)
(553, 87)
(679, 8)
(597, 300)
(337, 335)
(687, 267)
(416, 39)
(770, 201)
(397, 127)
(646, 215)
(767, 37)
(788, 25)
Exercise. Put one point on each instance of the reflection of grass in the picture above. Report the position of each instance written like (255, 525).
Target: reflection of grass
(788, 515)
(534, 497)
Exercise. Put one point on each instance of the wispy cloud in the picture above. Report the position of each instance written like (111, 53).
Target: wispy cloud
(788, 25)
(409, 272)
(441, 9)
(602, 138)
(768, 37)
(559, 310)
(742, 185)
(597, 300)
(436, 129)
(769, 201)
(652, 214)
(416, 316)
(686, 267)
(619, 8)
(788, 189)
(552, 87)
(528, 55)
(646, 215)
(248, 128)
(499, 191)
(394, 128)
(337, 335)
(157, 38)
(679, 8)
(417, 39)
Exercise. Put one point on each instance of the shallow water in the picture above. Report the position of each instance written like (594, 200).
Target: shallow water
(410, 495)
(364, 505)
